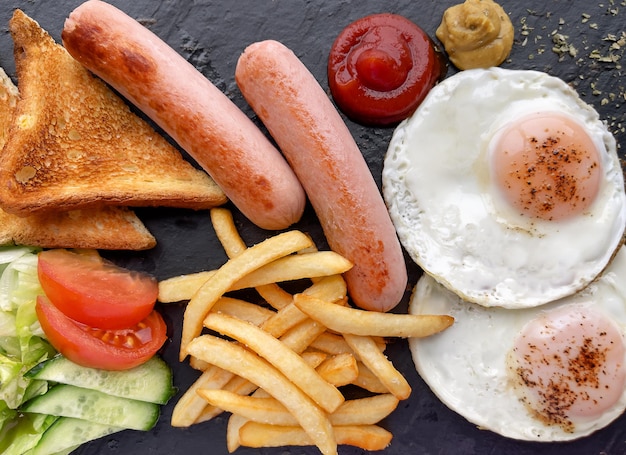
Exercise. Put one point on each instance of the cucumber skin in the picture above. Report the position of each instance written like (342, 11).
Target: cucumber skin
(151, 381)
(67, 433)
(142, 388)
(70, 401)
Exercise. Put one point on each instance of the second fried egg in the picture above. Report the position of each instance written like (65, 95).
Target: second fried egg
(552, 373)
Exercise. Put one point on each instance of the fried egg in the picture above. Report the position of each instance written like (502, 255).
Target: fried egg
(552, 373)
(506, 187)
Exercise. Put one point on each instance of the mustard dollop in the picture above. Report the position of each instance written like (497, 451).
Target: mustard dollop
(476, 34)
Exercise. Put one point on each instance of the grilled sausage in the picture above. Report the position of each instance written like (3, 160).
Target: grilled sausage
(188, 107)
(321, 150)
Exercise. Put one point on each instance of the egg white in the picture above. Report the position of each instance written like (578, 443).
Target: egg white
(450, 217)
(466, 365)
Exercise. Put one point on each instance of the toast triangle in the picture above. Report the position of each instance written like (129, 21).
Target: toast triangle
(75, 144)
(107, 228)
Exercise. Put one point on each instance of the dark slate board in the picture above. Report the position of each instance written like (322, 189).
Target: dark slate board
(574, 40)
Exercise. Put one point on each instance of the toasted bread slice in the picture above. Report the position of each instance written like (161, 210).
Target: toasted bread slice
(75, 144)
(110, 228)
(9, 95)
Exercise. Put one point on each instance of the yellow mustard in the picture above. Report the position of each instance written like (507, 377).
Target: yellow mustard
(476, 34)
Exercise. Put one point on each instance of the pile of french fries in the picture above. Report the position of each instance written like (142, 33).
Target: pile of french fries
(279, 367)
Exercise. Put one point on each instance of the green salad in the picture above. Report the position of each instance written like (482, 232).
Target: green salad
(22, 346)
(40, 390)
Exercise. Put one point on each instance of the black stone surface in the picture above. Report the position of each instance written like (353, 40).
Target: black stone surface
(575, 40)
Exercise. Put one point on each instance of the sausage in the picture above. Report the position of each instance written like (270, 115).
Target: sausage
(188, 107)
(321, 150)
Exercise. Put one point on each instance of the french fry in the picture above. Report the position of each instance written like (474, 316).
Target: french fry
(367, 351)
(238, 385)
(236, 421)
(280, 369)
(300, 337)
(339, 370)
(368, 380)
(364, 411)
(251, 259)
(268, 410)
(283, 320)
(233, 428)
(197, 408)
(197, 364)
(182, 287)
(314, 359)
(366, 437)
(333, 343)
(242, 386)
(371, 323)
(232, 243)
(280, 356)
(246, 311)
(332, 287)
(275, 296)
(190, 405)
(289, 268)
(259, 409)
(226, 231)
(238, 360)
(296, 267)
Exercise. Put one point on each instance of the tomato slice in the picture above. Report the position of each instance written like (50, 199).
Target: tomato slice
(96, 348)
(96, 292)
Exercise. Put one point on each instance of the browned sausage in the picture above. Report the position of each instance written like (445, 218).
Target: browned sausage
(195, 113)
(330, 166)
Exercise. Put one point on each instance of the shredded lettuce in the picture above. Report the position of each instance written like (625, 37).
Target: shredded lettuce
(23, 433)
(19, 282)
(22, 346)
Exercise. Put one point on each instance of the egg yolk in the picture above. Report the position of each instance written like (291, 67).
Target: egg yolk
(568, 366)
(547, 166)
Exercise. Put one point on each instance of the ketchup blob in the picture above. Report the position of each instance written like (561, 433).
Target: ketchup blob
(381, 67)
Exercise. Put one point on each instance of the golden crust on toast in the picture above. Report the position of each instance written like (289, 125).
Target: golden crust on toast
(107, 228)
(75, 144)
(8, 100)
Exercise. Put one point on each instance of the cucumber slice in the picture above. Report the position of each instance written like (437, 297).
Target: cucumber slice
(151, 381)
(70, 401)
(67, 433)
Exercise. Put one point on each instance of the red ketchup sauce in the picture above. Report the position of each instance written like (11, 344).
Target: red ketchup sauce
(381, 67)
